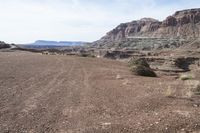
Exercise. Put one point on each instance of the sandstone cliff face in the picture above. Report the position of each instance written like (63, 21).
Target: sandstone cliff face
(183, 25)
(134, 28)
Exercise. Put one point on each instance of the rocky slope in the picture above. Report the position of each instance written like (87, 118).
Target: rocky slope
(183, 25)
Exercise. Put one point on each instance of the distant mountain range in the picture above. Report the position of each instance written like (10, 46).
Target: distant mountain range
(44, 44)
(56, 43)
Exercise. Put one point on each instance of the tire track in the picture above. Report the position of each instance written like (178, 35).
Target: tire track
(31, 103)
(78, 97)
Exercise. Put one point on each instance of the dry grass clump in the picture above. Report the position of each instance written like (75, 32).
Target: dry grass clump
(186, 77)
(193, 87)
(169, 92)
(187, 89)
(141, 67)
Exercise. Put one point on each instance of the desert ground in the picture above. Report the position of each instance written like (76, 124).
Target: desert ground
(68, 94)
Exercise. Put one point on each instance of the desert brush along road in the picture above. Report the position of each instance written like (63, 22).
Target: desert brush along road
(68, 94)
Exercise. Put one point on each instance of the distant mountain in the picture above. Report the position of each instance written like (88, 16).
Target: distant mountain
(4, 45)
(55, 43)
(45, 44)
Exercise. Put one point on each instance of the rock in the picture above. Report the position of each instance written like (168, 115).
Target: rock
(119, 77)
(126, 82)
(170, 21)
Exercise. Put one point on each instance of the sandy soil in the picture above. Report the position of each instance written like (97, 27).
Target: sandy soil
(65, 94)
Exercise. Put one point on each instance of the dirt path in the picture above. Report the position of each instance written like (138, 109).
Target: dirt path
(41, 93)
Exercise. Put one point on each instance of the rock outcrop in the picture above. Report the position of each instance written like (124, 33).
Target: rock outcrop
(183, 25)
(134, 28)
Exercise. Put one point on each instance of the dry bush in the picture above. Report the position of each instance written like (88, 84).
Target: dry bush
(186, 77)
(168, 92)
(192, 87)
(138, 62)
(186, 89)
(141, 67)
(143, 71)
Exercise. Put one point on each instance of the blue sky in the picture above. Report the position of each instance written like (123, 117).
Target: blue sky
(24, 21)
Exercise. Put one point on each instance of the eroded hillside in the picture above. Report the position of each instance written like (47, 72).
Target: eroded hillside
(182, 26)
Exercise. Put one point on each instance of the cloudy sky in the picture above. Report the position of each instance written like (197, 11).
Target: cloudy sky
(24, 21)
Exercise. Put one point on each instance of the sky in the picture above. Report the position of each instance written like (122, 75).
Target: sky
(25, 21)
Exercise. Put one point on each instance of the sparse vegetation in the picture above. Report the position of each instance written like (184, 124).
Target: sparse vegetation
(86, 55)
(138, 62)
(45, 53)
(169, 92)
(190, 88)
(188, 94)
(193, 86)
(141, 67)
(186, 77)
(143, 71)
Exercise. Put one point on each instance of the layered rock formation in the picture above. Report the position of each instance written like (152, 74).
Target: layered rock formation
(183, 25)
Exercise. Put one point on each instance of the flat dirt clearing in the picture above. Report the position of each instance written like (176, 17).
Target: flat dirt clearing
(44, 93)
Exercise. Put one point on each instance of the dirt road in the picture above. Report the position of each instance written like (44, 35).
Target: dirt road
(43, 93)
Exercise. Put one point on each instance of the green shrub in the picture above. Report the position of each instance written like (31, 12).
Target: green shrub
(143, 71)
(138, 61)
(139, 66)
(86, 55)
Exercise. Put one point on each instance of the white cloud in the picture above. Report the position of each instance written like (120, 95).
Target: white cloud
(24, 21)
